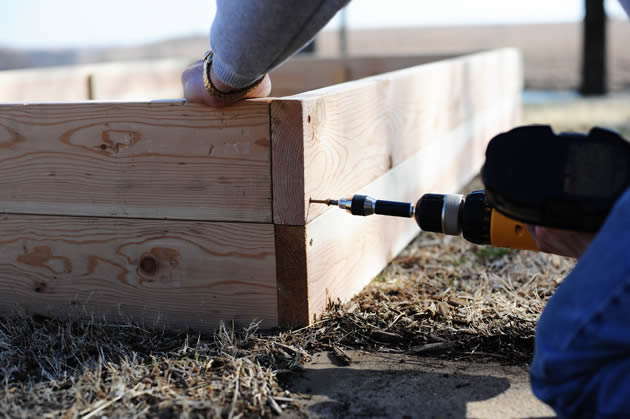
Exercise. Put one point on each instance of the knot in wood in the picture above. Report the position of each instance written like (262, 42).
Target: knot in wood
(149, 264)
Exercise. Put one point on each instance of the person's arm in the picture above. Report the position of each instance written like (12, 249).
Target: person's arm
(250, 38)
(581, 366)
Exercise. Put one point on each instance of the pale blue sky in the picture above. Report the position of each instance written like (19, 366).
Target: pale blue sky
(72, 23)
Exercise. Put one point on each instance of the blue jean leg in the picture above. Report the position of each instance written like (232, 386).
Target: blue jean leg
(581, 364)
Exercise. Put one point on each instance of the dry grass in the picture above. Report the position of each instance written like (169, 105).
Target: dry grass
(60, 369)
(442, 296)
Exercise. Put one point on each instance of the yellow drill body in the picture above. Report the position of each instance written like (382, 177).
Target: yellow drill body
(506, 232)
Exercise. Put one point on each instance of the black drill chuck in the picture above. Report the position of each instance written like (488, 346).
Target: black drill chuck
(454, 214)
(429, 212)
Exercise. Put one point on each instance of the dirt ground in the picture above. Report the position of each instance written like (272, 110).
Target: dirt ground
(406, 386)
(446, 330)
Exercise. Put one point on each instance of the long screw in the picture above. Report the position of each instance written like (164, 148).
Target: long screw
(325, 201)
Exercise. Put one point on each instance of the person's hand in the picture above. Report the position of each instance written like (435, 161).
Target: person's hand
(561, 242)
(195, 91)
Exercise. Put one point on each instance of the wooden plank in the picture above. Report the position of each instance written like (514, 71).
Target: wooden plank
(352, 133)
(157, 272)
(154, 160)
(302, 74)
(129, 80)
(158, 79)
(361, 67)
(345, 252)
(58, 84)
(140, 80)
(291, 275)
(287, 128)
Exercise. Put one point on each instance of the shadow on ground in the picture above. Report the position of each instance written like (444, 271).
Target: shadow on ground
(400, 386)
(364, 393)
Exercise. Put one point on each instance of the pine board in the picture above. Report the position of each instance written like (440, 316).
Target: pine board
(159, 273)
(330, 142)
(173, 160)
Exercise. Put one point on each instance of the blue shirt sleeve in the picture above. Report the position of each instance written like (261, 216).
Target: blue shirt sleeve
(581, 364)
(252, 37)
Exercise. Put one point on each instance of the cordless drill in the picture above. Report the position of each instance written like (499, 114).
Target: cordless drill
(531, 176)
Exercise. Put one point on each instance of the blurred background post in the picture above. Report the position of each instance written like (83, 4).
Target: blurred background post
(594, 49)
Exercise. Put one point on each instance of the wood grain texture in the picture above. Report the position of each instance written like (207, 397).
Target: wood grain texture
(354, 132)
(129, 80)
(302, 74)
(157, 272)
(287, 156)
(394, 136)
(47, 84)
(159, 79)
(345, 252)
(153, 160)
(291, 275)
(367, 66)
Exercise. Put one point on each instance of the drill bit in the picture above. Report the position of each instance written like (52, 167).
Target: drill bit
(343, 203)
(325, 201)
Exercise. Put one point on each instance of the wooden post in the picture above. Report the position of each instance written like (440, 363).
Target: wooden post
(90, 87)
(594, 49)
(343, 33)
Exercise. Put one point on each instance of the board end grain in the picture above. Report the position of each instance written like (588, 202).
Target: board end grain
(291, 275)
(287, 159)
